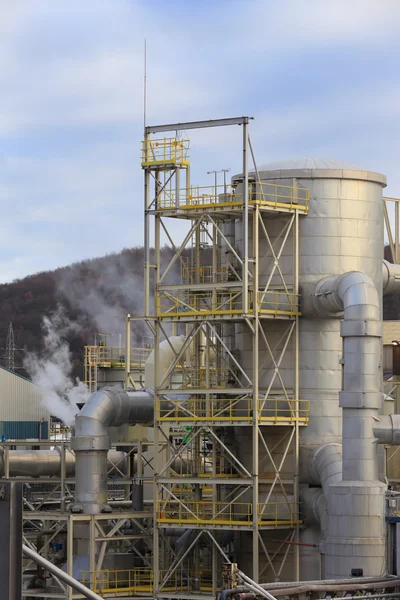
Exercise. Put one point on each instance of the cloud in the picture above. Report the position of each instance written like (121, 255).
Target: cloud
(320, 78)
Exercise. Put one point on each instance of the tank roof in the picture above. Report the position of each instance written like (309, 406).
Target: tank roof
(318, 168)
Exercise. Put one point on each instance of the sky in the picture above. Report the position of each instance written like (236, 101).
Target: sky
(320, 78)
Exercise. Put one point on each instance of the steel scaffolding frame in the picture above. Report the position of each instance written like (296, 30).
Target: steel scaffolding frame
(202, 309)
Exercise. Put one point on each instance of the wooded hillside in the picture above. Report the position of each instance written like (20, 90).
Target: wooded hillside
(96, 294)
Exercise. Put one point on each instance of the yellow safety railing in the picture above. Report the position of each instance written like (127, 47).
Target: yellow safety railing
(139, 580)
(227, 303)
(206, 378)
(279, 196)
(192, 304)
(282, 410)
(60, 432)
(205, 274)
(270, 410)
(165, 151)
(264, 194)
(196, 410)
(236, 513)
(278, 303)
(114, 356)
(204, 512)
(278, 513)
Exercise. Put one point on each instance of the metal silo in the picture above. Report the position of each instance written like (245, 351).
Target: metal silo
(342, 232)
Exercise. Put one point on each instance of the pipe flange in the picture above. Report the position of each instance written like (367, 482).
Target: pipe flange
(89, 442)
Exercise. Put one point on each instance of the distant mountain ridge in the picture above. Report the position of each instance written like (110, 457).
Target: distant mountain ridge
(95, 293)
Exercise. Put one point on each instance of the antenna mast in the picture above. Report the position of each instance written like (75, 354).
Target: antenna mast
(145, 85)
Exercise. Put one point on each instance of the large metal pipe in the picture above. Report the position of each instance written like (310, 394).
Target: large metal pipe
(91, 442)
(46, 564)
(356, 505)
(361, 397)
(387, 430)
(325, 470)
(390, 278)
(47, 463)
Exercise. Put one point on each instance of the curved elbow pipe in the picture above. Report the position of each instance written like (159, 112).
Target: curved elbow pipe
(390, 278)
(355, 295)
(326, 469)
(91, 442)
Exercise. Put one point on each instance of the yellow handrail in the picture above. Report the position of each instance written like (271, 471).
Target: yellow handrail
(165, 151)
(262, 194)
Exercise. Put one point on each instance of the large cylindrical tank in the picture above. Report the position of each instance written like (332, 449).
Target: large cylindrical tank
(343, 231)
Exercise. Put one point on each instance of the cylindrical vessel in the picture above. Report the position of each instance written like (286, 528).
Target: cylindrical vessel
(47, 463)
(342, 232)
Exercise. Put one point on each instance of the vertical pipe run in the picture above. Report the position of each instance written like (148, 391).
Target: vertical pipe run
(255, 399)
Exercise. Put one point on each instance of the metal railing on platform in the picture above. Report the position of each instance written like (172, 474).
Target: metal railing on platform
(270, 410)
(140, 580)
(225, 303)
(263, 194)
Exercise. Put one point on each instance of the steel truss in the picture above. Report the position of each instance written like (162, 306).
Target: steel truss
(207, 389)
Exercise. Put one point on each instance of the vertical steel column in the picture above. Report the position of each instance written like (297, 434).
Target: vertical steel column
(62, 476)
(396, 236)
(92, 552)
(127, 351)
(146, 230)
(177, 186)
(70, 552)
(245, 221)
(157, 467)
(296, 465)
(157, 447)
(256, 324)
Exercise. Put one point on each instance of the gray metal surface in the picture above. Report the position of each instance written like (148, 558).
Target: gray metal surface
(342, 232)
(20, 399)
(390, 278)
(197, 125)
(11, 540)
(47, 463)
(91, 442)
(318, 168)
(52, 568)
(356, 505)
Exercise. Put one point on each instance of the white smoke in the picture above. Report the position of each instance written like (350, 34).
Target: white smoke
(52, 369)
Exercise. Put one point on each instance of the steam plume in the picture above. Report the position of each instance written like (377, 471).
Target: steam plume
(52, 368)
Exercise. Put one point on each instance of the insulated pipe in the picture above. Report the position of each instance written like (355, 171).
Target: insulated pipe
(326, 469)
(356, 505)
(390, 278)
(91, 442)
(46, 564)
(387, 430)
(47, 463)
(361, 330)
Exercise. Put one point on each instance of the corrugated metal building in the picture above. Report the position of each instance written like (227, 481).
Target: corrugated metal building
(22, 414)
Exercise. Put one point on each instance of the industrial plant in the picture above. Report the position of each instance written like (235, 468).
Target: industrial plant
(250, 447)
